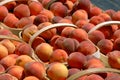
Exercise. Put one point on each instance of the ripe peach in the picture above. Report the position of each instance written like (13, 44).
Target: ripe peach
(88, 26)
(110, 12)
(44, 51)
(10, 5)
(58, 9)
(9, 45)
(32, 17)
(105, 16)
(82, 77)
(69, 45)
(48, 13)
(76, 60)
(72, 71)
(45, 2)
(35, 68)
(79, 14)
(69, 4)
(80, 23)
(23, 49)
(94, 76)
(2, 69)
(21, 10)
(30, 78)
(28, 32)
(3, 51)
(56, 19)
(16, 71)
(94, 36)
(58, 55)
(22, 60)
(40, 18)
(94, 63)
(7, 76)
(5, 32)
(82, 34)
(116, 16)
(96, 20)
(86, 47)
(66, 31)
(3, 12)
(94, 11)
(112, 76)
(47, 35)
(116, 34)
(105, 45)
(8, 61)
(10, 20)
(116, 44)
(23, 21)
(57, 71)
(37, 41)
(35, 7)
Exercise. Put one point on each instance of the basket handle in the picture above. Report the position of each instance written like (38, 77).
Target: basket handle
(49, 27)
(91, 71)
(107, 23)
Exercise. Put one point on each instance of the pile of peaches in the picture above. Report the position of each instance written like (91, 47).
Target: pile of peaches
(58, 40)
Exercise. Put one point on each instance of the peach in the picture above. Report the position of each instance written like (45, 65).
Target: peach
(2, 69)
(69, 4)
(58, 55)
(59, 9)
(116, 44)
(3, 51)
(96, 20)
(59, 29)
(30, 78)
(94, 11)
(66, 31)
(44, 51)
(85, 5)
(48, 13)
(116, 34)
(94, 76)
(72, 71)
(36, 69)
(112, 76)
(73, 1)
(105, 16)
(82, 78)
(16, 71)
(21, 10)
(76, 60)
(107, 31)
(32, 17)
(37, 41)
(94, 36)
(45, 2)
(23, 21)
(105, 45)
(10, 20)
(35, 7)
(10, 5)
(56, 19)
(3, 12)
(23, 49)
(40, 18)
(110, 12)
(47, 35)
(86, 47)
(57, 71)
(5, 32)
(9, 45)
(9, 60)
(80, 23)
(94, 63)
(79, 14)
(82, 34)
(116, 16)
(22, 60)
(7, 76)
(28, 32)
(69, 45)
(88, 26)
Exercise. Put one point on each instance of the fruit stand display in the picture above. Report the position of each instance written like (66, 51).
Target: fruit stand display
(58, 40)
